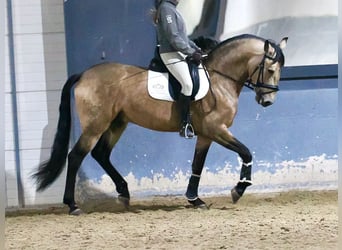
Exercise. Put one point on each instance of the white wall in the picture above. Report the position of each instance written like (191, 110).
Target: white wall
(310, 25)
(191, 11)
(40, 62)
(242, 13)
(2, 127)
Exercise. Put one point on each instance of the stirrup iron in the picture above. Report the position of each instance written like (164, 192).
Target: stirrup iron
(187, 131)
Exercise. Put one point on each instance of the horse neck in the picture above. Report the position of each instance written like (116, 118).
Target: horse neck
(231, 60)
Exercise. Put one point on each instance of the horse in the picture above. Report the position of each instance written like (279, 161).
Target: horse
(110, 95)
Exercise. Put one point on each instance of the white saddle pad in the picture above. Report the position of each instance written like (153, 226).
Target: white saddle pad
(158, 85)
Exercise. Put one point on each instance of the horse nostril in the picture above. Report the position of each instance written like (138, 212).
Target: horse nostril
(266, 103)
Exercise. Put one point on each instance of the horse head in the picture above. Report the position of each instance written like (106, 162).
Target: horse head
(264, 78)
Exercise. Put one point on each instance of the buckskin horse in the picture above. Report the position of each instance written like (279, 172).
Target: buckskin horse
(109, 96)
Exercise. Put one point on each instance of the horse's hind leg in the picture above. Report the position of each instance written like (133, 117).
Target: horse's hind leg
(101, 153)
(75, 158)
(201, 150)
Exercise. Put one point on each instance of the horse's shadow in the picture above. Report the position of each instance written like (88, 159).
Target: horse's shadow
(98, 202)
(110, 205)
(113, 205)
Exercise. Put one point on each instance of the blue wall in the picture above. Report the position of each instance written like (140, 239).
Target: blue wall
(107, 30)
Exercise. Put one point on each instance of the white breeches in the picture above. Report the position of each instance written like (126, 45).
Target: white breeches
(176, 64)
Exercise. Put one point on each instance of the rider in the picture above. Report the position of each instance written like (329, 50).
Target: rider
(175, 47)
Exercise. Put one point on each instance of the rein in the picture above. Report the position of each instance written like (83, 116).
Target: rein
(226, 76)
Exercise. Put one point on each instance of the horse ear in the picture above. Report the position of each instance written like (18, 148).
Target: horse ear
(283, 42)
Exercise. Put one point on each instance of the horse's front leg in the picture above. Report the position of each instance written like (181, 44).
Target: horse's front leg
(230, 142)
(201, 150)
(244, 182)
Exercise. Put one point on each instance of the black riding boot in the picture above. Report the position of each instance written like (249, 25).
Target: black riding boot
(186, 130)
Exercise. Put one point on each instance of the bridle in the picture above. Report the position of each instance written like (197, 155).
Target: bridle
(260, 80)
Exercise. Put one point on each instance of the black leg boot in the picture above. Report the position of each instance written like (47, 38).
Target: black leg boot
(186, 130)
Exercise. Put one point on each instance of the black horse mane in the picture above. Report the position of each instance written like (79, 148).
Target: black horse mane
(206, 43)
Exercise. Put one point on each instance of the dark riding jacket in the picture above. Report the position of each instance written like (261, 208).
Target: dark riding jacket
(171, 30)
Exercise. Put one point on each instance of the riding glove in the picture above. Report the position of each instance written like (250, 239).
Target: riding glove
(196, 57)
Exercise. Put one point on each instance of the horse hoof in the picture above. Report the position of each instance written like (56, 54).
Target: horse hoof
(124, 201)
(76, 212)
(198, 203)
(235, 195)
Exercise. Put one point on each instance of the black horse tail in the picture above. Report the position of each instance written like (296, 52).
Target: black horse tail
(49, 170)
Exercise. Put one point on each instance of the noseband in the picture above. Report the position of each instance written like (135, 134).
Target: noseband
(260, 81)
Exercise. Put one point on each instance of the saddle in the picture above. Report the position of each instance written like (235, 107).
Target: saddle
(163, 85)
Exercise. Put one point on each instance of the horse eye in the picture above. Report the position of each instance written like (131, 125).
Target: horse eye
(271, 71)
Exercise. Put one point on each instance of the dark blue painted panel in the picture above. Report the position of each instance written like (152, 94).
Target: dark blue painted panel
(105, 30)
(309, 72)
